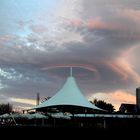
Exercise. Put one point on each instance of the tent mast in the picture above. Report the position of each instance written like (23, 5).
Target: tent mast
(70, 71)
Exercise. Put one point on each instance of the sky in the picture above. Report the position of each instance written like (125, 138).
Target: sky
(41, 39)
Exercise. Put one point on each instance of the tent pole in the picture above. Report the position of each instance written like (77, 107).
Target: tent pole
(71, 71)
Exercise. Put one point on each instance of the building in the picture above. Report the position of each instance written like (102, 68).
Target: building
(138, 98)
(128, 108)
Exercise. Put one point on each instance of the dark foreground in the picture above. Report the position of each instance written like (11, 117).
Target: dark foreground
(40, 132)
(82, 124)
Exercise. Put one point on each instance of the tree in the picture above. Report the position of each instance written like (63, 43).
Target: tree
(45, 99)
(103, 105)
(6, 108)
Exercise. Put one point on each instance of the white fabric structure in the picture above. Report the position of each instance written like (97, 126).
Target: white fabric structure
(68, 95)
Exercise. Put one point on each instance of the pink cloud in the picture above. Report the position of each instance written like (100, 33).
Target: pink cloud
(84, 66)
(124, 70)
(6, 38)
(130, 14)
(96, 23)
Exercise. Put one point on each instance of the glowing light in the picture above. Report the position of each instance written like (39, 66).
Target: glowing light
(84, 66)
(24, 101)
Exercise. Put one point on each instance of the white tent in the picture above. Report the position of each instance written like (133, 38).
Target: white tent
(70, 94)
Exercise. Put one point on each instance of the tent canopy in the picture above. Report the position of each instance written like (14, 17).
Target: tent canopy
(69, 95)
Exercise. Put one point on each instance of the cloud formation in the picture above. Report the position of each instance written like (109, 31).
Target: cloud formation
(100, 39)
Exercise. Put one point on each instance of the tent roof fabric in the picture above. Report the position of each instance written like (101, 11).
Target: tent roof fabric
(70, 94)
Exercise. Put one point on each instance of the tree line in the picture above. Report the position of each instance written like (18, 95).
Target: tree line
(103, 105)
(5, 108)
